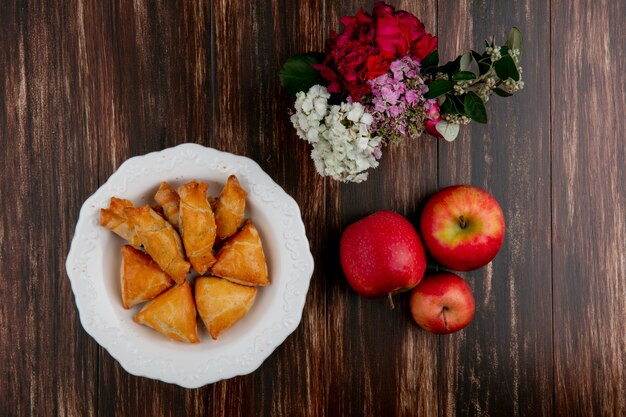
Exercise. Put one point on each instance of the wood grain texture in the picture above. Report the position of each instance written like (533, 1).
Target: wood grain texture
(252, 41)
(136, 73)
(589, 208)
(45, 355)
(380, 363)
(502, 363)
(86, 85)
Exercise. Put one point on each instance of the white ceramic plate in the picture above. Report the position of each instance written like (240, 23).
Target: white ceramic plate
(94, 260)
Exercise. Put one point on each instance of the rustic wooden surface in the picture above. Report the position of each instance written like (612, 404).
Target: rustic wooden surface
(85, 85)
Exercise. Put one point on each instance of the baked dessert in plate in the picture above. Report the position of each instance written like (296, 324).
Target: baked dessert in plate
(241, 259)
(94, 260)
(222, 303)
(160, 240)
(141, 278)
(230, 208)
(145, 275)
(197, 225)
(173, 314)
(169, 201)
(114, 219)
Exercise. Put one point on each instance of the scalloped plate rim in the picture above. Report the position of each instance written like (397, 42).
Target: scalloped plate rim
(298, 227)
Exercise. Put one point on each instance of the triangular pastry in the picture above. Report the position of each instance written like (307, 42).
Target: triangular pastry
(140, 277)
(160, 240)
(197, 225)
(230, 208)
(241, 259)
(167, 198)
(173, 314)
(114, 219)
(222, 303)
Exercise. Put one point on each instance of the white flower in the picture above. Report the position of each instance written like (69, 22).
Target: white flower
(355, 114)
(343, 146)
(311, 108)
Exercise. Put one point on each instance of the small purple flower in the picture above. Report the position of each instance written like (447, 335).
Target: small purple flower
(411, 97)
(394, 111)
(379, 105)
(401, 127)
(398, 104)
(389, 94)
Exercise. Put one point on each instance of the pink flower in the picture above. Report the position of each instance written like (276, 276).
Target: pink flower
(366, 27)
(434, 117)
(411, 97)
(382, 9)
(394, 111)
(398, 105)
(424, 46)
(334, 80)
(377, 65)
(390, 38)
(415, 27)
(431, 129)
(368, 45)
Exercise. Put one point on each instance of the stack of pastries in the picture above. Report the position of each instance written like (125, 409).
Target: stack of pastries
(182, 232)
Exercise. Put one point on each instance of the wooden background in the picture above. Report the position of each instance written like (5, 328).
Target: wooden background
(86, 84)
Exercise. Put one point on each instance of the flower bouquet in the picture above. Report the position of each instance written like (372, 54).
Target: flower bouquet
(379, 81)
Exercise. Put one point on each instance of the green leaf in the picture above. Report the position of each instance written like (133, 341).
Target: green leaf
(431, 60)
(506, 68)
(438, 88)
(447, 107)
(453, 104)
(465, 62)
(483, 67)
(450, 67)
(501, 92)
(468, 63)
(463, 75)
(515, 40)
(298, 75)
(475, 107)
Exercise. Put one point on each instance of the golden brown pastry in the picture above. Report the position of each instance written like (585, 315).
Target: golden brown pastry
(222, 303)
(173, 314)
(140, 277)
(212, 202)
(168, 199)
(159, 210)
(241, 259)
(197, 225)
(160, 240)
(115, 220)
(230, 208)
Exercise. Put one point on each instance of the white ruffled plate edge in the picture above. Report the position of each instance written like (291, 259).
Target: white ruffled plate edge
(94, 306)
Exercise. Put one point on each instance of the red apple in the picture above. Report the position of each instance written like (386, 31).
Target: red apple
(462, 227)
(442, 303)
(382, 255)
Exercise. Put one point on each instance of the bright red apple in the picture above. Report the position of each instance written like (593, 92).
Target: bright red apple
(382, 255)
(462, 227)
(442, 303)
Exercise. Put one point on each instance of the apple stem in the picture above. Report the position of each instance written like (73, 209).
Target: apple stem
(390, 301)
(463, 223)
(444, 318)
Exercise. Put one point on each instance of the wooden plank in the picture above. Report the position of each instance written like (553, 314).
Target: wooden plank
(589, 207)
(47, 362)
(501, 364)
(252, 40)
(380, 362)
(148, 76)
